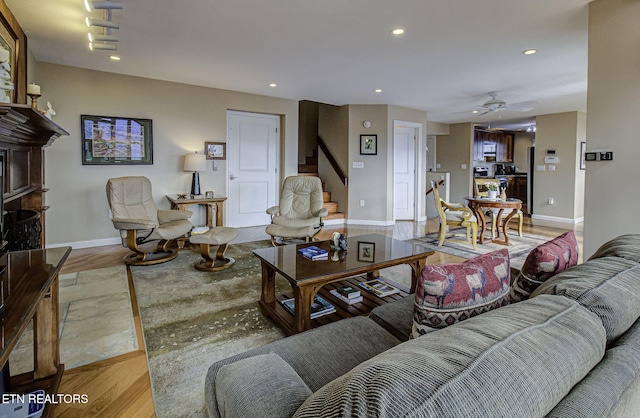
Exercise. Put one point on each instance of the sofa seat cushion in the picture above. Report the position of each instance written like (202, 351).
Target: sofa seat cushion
(545, 261)
(599, 394)
(239, 386)
(448, 293)
(519, 360)
(318, 356)
(608, 287)
(625, 246)
(397, 317)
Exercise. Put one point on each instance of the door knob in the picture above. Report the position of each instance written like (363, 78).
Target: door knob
(232, 177)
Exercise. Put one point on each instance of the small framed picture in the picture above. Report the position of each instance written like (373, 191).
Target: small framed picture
(366, 251)
(368, 144)
(208, 194)
(215, 150)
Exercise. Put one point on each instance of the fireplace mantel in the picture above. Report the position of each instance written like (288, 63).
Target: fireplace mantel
(24, 132)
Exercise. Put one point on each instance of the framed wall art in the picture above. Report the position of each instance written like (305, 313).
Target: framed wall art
(215, 150)
(368, 144)
(116, 140)
(13, 59)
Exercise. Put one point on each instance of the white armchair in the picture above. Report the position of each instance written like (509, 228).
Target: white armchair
(139, 221)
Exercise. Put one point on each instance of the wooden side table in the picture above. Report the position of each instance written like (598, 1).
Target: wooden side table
(213, 204)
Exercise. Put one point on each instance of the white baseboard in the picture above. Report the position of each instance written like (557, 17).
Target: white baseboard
(369, 222)
(86, 244)
(551, 220)
(334, 221)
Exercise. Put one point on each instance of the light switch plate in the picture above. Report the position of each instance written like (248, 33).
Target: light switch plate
(552, 168)
(541, 168)
(358, 164)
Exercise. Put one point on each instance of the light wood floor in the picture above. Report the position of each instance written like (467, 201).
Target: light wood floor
(120, 386)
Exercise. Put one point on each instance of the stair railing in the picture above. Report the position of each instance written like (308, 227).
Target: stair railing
(440, 183)
(332, 161)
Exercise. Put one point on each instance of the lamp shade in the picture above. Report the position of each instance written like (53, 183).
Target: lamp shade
(195, 162)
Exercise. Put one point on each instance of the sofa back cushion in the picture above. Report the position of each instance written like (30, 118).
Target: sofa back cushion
(608, 287)
(625, 246)
(516, 361)
(543, 262)
(448, 293)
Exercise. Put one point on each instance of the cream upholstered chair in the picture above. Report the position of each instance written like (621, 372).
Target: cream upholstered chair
(300, 210)
(455, 214)
(139, 221)
(480, 189)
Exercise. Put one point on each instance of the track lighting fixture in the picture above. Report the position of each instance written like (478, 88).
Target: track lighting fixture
(102, 38)
(531, 128)
(108, 47)
(101, 5)
(102, 23)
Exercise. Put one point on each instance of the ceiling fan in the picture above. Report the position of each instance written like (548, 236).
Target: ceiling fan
(495, 104)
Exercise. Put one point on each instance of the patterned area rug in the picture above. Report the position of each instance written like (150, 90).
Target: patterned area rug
(519, 247)
(191, 319)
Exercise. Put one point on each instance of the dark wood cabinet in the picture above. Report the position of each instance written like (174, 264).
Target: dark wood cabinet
(503, 141)
(24, 132)
(518, 188)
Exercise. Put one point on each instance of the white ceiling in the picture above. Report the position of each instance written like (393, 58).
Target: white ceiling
(335, 51)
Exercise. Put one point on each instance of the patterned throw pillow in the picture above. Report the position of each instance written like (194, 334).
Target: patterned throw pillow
(449, 293)
(544, 262)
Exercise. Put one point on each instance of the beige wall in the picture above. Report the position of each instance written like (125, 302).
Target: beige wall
(613, 100)
(371, 182)
(184, 117)
(561, 132)
(454, 150)
(437, 128)
(521, 142)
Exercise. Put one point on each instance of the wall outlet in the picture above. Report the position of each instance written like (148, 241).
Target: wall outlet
(463, 166)
(438, 166)
(361, 202)
(552, 168)
(358, 164)
(550, 201)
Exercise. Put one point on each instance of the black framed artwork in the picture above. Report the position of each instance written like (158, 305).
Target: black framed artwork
(368, 144)
(116, 140)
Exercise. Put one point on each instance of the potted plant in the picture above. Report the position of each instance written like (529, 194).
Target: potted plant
(492, 190)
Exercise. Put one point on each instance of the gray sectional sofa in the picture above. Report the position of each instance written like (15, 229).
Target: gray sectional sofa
(571, 350)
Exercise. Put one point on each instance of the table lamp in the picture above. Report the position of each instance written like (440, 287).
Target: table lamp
(195, 162)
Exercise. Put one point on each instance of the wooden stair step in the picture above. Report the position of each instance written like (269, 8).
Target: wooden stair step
(326, 196)
(332, 207)
(335, 215)
(300, 173)
(307, 168)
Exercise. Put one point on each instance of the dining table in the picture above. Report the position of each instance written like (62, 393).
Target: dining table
(478, 203)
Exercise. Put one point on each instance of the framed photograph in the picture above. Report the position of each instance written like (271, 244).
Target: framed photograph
(215, 150)
(583, 149)
(368, 144)
(366, 251)
(13, 58)
(116, 140)
(208, 194)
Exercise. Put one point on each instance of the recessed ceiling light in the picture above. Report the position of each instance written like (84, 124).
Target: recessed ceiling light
(397, 31)
(378, 90)
(273, 85)
(474, 111)
(529, 51)
(114, 58)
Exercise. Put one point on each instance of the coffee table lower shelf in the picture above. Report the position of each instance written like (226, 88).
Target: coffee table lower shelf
(284, 319)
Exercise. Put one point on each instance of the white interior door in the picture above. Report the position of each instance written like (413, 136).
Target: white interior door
(404, 163)
(252, 161)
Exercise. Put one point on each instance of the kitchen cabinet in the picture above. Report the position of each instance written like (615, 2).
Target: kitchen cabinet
(503, 146)
(518, 187)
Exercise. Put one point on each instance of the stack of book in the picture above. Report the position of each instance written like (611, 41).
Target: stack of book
(319, 306)
(379, 288)
(314, 253)
(347, 294)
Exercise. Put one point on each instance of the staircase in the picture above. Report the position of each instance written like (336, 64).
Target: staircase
(310, 168)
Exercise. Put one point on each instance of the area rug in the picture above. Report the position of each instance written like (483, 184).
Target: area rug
(519, 247)
(96, 320)
(191, 319)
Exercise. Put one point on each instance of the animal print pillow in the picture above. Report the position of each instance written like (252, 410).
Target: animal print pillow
(544, 262)
(448, 293)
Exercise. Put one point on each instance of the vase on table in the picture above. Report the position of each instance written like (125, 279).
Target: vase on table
(492, 194)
